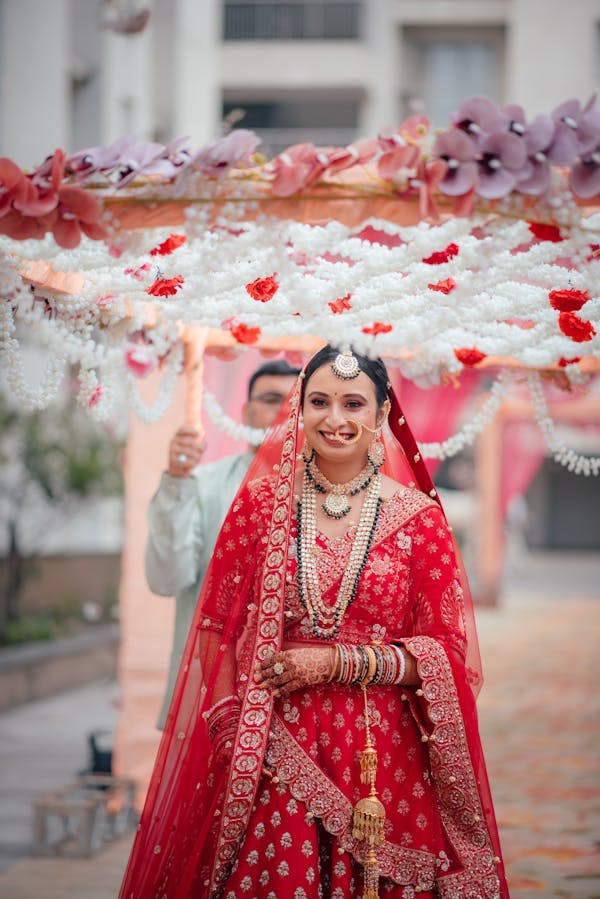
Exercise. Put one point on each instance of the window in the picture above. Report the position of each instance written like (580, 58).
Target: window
(330, 118)
(446, 65)
(311, 20)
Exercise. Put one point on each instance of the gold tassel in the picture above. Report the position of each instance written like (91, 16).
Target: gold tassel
(368, 816)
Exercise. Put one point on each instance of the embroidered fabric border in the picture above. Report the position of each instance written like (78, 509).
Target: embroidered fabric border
(454, 777)
(309, 785)
(257, 704)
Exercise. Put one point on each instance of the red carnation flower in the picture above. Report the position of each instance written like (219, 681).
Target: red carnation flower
(445, 286)
(165, 287)
(168, 245)
(263, 289)
(469, 356)
(443, 256)
(545, 232)
(377, 328)
(564, 362)
(568, 300)
(243, 334)
(339, 305)
(576, 328)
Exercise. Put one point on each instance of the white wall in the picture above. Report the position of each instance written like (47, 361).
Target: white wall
(35, 84)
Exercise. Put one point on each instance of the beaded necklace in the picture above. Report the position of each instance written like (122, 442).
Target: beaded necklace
(337, 503)
(326, 620)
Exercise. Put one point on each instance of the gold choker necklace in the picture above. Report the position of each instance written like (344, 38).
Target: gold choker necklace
(337, 496)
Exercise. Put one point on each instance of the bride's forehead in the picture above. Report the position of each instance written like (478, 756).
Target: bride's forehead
(325, 380)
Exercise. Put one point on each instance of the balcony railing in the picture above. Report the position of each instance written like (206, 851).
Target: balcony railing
(308, 21)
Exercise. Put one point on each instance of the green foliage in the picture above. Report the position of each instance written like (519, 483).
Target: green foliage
(49, 460)
(29, 628)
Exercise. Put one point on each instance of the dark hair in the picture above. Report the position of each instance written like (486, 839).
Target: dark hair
(373, 368)
(274, 367)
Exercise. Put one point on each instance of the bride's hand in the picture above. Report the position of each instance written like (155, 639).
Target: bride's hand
(292, 669)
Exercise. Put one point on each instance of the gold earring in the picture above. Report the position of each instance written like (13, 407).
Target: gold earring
(376, 452)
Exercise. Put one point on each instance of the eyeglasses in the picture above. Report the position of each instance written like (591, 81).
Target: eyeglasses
(270, 398)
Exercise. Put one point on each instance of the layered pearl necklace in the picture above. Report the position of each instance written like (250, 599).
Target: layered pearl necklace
(326, 619)
(337, 496)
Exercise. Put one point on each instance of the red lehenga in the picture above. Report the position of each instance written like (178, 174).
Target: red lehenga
(277, 821)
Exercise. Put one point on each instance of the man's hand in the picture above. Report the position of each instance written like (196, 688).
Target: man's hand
(295, 668)
(185, 452)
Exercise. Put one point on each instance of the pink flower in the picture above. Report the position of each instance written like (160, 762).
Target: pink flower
(400, 148)
(95, 397)
(13, 184)
(339, 158)
(77, 211)
(139, 272)
(502, 162)
(427, 180)
(140, 360)
(458, 152)
(296, 168)
(236, 147)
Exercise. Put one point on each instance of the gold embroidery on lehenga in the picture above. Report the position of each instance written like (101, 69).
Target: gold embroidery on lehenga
(323, 800)
(454, 777)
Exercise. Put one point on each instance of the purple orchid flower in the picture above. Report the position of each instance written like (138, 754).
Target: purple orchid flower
(88, 162)
(538, 137)
(478, 117)
(458, 151)
(585, 175)
(577, 131)
(502, 164)
(172, 161)
(138, 160)
(216, 159)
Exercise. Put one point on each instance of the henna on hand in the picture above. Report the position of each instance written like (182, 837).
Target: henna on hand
(293, 669)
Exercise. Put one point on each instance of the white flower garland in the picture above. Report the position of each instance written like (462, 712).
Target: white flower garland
(153, 413)
(235, 429)
(469, 431)
(568, 458)
(457, 442)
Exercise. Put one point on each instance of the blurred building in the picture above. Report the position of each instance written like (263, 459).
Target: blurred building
(325, 72)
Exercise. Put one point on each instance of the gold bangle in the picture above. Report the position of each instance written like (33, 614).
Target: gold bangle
(368, 678)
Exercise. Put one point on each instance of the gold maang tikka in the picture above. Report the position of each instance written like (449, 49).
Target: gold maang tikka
(345, 366)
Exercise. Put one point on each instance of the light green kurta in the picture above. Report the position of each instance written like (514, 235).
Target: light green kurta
(184, 519)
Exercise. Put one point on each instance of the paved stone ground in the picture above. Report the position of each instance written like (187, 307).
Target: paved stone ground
(539, 713)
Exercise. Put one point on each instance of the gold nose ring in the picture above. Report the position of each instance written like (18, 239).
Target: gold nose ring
(353, 439)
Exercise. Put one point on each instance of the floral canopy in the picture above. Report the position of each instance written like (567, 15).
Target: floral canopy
(478, 246)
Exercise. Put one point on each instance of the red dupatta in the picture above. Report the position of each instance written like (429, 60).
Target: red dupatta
(195, 817)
